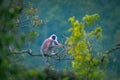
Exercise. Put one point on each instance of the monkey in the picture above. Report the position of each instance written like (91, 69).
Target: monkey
(48, 45)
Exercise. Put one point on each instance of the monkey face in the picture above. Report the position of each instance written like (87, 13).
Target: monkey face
(53, 37)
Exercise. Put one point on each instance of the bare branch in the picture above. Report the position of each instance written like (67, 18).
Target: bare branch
(29, 51)
(110, 51)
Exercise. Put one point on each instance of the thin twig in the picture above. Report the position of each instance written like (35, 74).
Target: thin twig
(109, 52)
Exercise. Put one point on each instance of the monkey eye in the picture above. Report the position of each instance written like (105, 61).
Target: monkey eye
(53, 37)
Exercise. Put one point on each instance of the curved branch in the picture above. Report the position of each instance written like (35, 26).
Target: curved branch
(110, 51)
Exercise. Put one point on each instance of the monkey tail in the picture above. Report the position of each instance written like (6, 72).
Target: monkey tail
(44, 59)
(43, 56)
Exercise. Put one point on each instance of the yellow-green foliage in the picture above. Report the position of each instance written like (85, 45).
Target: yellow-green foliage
(90, 19)
(84, 64)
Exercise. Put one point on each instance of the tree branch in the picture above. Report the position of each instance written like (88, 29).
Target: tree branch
(110, 51)
(57, 56)
(29, 51)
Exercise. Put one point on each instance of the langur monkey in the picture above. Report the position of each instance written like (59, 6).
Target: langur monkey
(48, 45)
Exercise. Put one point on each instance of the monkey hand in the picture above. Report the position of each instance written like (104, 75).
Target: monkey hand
(61, 46)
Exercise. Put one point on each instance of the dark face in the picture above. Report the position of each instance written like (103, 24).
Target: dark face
(53, 37)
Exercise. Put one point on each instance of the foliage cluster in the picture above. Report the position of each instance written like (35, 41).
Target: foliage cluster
(9, 36)
(85, 64)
